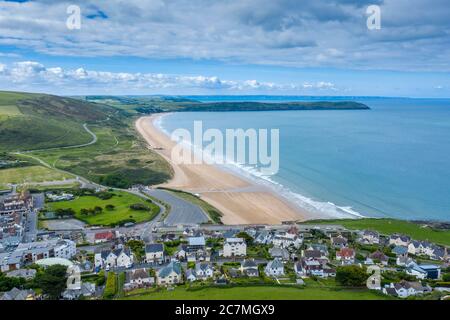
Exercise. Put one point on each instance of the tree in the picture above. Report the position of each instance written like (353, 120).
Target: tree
(138, 248)
(248, 239)
(52, 280)
(351, 276)
(446, 277)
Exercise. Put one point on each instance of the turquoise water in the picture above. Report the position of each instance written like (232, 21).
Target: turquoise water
(391, 161)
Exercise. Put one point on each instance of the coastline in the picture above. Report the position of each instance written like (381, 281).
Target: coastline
(240, 200)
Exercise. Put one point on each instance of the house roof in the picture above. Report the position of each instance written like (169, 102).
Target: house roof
(234, 240)
(154, 247)
(379, 256)
(196, 241)
(104, 235)
(399, 250)
(171, 267)
(346, 252)
(275, 264)
(249, 263)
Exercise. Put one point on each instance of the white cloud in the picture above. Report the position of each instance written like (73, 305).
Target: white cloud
(34, 75)
(304, 33)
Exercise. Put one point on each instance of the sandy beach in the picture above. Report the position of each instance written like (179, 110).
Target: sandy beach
(241, 201)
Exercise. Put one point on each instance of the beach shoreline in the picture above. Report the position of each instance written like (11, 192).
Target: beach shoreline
(240, 200)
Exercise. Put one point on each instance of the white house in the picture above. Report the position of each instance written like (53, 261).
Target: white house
(405, 289)
(203, 270)
(113, 258)
(370, 237)
(138, 278)
(399, 240)
(154, 253)
(234, 247)
(275, 268)
(263, 237)
(285, 240)
(346, 256)
(170, 274)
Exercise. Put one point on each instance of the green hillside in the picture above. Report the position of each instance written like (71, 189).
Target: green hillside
(49, 131)
(37, 121)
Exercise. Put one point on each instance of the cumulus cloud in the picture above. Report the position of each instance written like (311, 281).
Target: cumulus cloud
(415, 34)
(34, 75)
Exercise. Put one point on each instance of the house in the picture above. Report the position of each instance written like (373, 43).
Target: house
(106, 236)
(280, 253)
(400, 250)
(138, 278)
(403, 261)
(114, 258)
(86, 289)
(263, 237)
(286, 240)
(54, 248)
(170, 274)
(234, 247)
(370, 237)
(10, 261)
(250, 268)
(339, 241)
(399, 240)
(196, 243)
(16, 294)
(203, 270)
(190, 275)
(22, 273)
(154, 253)
(346, 256)
(405, 289)
(377, 257)
(275, 268)
(313, 254)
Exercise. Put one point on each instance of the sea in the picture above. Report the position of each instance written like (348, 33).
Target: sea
(390, 161)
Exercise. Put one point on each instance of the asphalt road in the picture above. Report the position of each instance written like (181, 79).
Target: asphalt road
(181, 211)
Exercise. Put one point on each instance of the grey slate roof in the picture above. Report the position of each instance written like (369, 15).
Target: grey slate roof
(154, 247)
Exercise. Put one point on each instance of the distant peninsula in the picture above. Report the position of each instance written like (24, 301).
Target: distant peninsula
(156, 104)
(265, 106)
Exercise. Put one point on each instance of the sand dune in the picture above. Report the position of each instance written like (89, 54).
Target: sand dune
(241, 201)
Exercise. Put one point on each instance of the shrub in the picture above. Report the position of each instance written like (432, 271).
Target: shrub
(352, 276)
(139, 206)
(111, 286)
(110, 207)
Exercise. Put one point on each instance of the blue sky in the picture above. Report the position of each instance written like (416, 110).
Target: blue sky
(292, 47)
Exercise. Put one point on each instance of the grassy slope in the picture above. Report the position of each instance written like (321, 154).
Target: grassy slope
(37, 121)
(258, 293)
(31, 174)
(119, 158)
(389, 226)
(122, 211)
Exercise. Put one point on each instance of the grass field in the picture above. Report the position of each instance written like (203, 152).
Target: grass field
(31, 174)
(389, 226)
(118, 159)
(9, 110)
(257, 293)
(121, 202)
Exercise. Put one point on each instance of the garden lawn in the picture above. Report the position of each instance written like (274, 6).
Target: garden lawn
(31, 174)
(257, 293)
(389, 226)
(121, 202)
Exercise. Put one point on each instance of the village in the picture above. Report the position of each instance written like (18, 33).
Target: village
(126, 261)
